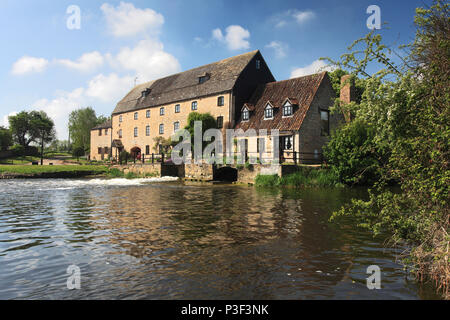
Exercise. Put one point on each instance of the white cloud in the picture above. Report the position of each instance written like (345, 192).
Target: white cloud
(60, 108)
(87, 62)
(109, 88)
(315, 67)
(217, 34)
(303, 16)
(28, 64)
(292, 16)
(279, 47)
(148, 60)
(236, 37)
(5, 122)
(127, 20)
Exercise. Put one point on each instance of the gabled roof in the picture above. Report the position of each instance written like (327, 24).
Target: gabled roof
(299, 91)
(185, 85)
(105, 125)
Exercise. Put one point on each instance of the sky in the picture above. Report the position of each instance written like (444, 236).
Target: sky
(51, 60)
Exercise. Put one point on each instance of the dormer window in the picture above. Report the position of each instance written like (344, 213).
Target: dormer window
(203, 78)
(245, 114)
(288, 109)
(268, 112)
(146, 92)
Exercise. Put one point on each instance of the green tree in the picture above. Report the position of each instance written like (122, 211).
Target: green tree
(81, 122)
(207, 120)
(78, 152)
(6, 139)
(22, 130)
(353, 154)
(45, 130)
(408, 104)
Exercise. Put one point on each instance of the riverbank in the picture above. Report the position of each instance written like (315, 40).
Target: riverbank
(304, 177)
(51, 172)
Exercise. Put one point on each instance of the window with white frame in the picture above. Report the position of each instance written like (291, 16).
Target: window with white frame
(177, 108)
(162, 111)
(120, 118)
(136, 132)
(136, 116)
(194, 106)
(147, 131)
(161, 129)
(176, 126)
(147, 114)
(288, 110)
(268, 112)
(245, 115)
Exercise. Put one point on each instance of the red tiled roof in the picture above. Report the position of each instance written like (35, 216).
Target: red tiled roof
(299, 91)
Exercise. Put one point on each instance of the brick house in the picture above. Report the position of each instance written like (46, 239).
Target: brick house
(240, 92)
(161, 107)
(101, 141)
(299, 109)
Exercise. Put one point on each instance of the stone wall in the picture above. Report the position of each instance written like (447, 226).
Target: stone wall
(141, 169)
(202, 172)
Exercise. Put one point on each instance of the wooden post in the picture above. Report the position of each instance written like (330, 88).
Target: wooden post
(295, 157)
(153, 158)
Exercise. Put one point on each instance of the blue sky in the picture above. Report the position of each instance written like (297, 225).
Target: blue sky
(47, 66)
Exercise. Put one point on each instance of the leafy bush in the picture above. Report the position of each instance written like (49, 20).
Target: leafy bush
(353, 155)
(124, 156)
(18, 150)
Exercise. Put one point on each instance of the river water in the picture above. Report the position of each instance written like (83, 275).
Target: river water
(161, 239)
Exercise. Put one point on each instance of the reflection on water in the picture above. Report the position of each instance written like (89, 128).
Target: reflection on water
(156, 239)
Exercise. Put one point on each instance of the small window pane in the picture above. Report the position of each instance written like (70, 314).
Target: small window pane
(177, 108)
(135, 132)
(194, 105)
(220, 122)
(176, 126)
(147, 114)
(161, 129)
(221, 101)
(147, 131)
(162, 111)
(136, 116)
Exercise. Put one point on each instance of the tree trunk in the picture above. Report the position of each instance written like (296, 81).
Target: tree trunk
(42, 150)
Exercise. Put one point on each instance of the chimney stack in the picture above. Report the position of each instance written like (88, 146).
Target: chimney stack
(347, 93)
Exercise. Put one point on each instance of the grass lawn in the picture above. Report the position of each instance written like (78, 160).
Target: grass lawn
(52, 169)
(19, 160)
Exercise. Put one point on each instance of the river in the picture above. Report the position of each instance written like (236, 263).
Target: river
(162, 239)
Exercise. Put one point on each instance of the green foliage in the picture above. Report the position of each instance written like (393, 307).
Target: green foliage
(208, 122)
(18, 150)
(409, 107)
(124, 156)
(78, 152)
(81, 122)
(6, 139)
(354, 156)
(115, 173)
(305, 177)
(26, 169)
(35, 126)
